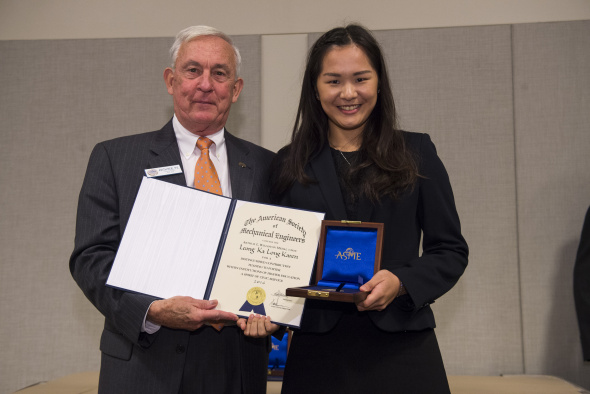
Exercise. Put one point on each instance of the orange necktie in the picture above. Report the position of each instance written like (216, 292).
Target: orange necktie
(206, 179)
(205, 175)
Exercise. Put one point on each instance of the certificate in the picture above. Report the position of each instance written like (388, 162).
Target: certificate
(267, 249)
(183, 241)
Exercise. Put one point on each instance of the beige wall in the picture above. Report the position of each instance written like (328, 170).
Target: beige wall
(42, 19)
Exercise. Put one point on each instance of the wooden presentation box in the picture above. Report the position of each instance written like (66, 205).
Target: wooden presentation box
(349, 254)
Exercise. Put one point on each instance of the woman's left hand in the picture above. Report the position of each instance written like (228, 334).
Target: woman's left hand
(383, 288)
(257, 326)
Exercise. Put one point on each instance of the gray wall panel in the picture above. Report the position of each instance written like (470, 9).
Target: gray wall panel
(244, 119)
(61, 98)
(456, 85)
(552, 102)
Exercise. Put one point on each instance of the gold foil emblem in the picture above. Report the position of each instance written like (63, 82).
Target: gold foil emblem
(256, 295)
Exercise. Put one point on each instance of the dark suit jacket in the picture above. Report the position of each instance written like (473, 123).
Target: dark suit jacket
(115, 170)
(429, 208)
(582, 287)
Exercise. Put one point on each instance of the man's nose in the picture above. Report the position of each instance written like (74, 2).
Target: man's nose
(205, 83)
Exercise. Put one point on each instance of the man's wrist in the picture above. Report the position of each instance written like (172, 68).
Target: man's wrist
(151, 315)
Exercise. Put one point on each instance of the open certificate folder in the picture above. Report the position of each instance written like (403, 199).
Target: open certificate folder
(183, 241)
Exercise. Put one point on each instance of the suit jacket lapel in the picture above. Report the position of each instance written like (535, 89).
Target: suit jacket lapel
(165, 152)
(241, 166)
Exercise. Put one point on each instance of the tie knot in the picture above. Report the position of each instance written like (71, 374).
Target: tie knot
(204, 143)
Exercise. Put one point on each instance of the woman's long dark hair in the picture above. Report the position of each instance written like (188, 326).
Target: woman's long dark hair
(388, 168)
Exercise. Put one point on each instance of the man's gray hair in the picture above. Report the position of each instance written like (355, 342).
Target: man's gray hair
(190, 33)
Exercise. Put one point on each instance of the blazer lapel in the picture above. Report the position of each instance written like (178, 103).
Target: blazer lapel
(241, 166)
(325, 173)
(165, 152)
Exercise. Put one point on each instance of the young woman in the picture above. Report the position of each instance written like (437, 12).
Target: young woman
(348, 158)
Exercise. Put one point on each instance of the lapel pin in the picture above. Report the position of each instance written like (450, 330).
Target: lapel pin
(242, 165)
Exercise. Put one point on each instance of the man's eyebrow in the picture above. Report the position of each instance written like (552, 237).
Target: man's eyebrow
(191, 63)
(222, 66)
(194, 63)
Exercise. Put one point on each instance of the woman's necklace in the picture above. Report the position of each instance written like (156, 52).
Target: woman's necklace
(342, 147)
(344, 157)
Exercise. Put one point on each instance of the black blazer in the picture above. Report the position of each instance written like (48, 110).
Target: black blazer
(112, 180)
(582, 287)
(429, 210)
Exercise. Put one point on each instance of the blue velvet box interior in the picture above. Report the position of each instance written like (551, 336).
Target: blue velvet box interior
(349, 257)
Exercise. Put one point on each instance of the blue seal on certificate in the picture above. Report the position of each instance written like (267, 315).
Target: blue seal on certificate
(255, 301)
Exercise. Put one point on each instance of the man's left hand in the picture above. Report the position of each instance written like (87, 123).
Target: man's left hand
(383, 288)
(257, 326)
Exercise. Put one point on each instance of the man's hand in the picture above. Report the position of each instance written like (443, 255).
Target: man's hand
(383, 288)
(186, 313)
(257, 326)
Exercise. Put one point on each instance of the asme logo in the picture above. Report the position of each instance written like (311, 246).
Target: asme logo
(348, 254)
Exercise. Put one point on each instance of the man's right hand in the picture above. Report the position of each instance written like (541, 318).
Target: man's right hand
(186, 313)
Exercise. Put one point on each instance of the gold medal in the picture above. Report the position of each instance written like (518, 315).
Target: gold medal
(256, 296)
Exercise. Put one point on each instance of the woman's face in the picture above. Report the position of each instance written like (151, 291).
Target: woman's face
(347, 89)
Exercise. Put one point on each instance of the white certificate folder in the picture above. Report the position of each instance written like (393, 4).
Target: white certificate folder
(183, 241)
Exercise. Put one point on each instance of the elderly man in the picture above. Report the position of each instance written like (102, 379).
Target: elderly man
(173, 345)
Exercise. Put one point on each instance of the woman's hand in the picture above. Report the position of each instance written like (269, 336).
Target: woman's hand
(257, 326)
(382, 288)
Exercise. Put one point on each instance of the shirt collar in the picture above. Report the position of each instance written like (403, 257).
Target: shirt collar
(187, 141)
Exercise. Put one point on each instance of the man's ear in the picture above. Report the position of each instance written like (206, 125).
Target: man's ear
(169, 79)
(238, 86)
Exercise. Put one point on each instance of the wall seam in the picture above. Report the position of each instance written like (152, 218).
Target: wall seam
(516, 212)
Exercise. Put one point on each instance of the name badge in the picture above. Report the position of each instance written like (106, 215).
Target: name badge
(161, 171)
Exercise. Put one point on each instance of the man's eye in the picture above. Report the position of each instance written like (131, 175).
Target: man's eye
(221, 75)
(192, 70)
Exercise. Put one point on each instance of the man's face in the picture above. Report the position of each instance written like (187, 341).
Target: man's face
(203, 84)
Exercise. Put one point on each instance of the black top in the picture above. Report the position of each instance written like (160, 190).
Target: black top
(344, 162)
